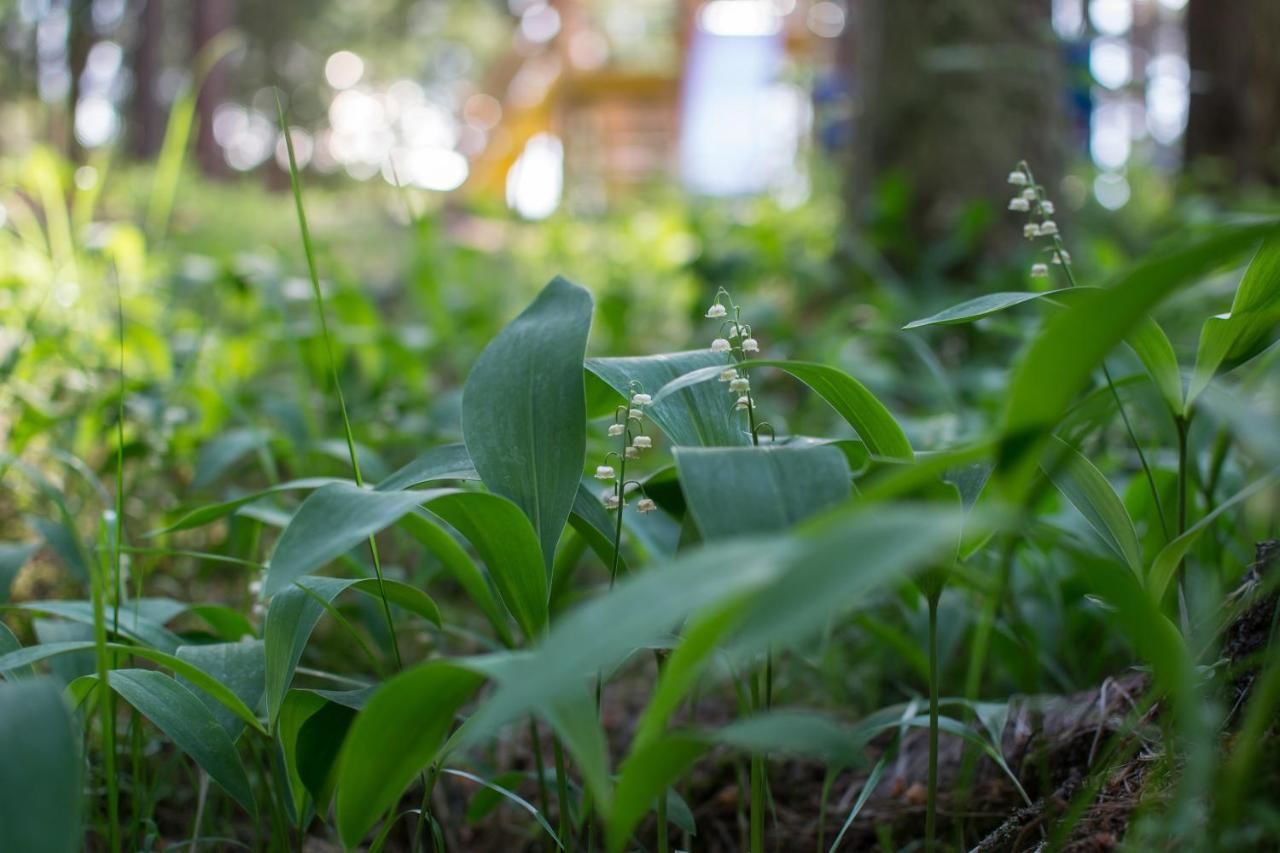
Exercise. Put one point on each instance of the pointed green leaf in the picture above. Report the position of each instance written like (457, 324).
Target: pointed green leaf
(185, 720)
(378, 761)
(524, 409)
(695, 416)
(1091, 493)
(1236, 337)
(974, 309)
(40, 793)
(203, 515)
(449, 462)
(237, 666)
(737, 490)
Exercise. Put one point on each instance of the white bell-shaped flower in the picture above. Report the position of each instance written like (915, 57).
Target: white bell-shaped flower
(744, 402)
(1046, 207)
(631, 453)
(616, 430)
(740, 385)
(604, 472)
(715, 312)
(750, 345)
(1039, 271)
(610, 501)
(646, 505)
(720, 345)
(1018, 178)
(1031, 230)
(1048, 228)
(1019, 204)
(643, 442)
(641, 399)
(729, 374)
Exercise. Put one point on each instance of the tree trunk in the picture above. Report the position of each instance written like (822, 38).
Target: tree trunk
(1233, 128)
(146, 125)
(209, 18)
(948, 96)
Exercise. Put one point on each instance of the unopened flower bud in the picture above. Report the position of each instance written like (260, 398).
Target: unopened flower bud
(720, 345)
(1062, 257)
(1046, 207)
(610, 501)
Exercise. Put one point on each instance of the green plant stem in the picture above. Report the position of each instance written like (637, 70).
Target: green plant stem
(562, 794)
(296, 182)
(540, 770)
(758, 804)
(102, 657)
(931, 813)
(663, 844)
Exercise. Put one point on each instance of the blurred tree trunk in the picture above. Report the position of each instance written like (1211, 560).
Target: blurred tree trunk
(79, 40)
(146, 124)
(948, 96)
(209, 18)
(1233, 129)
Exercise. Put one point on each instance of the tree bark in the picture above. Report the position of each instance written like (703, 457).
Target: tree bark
(948, 96)
(209, 18)
(147, 118)
(1233, 127)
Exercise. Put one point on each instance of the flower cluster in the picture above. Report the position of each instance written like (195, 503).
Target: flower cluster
(1031, 201)
(736, 339)
(628, 425)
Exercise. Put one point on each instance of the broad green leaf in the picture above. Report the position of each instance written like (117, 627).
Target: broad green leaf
(239, 667)
(850, 398)
(378, 760)
(294, 614)
(142, 621)
(509, 547)
(1229, 340)
(1091, 493)
(295, 710)
(13, 556)
(645, 776)
(1166, 563)
(793, 732)
(1063, 356)
(40, 784)
(186, 721)
(737, 490)
(427, 530)
(696, 416)
(203, 515)
(524, 409)
(1154, 350)
(974, 309)
(330, 522)
(449, 462)
(319, 743)
(228, 701)
(786, 586)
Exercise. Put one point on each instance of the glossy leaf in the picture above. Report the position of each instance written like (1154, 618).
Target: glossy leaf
(692, 417)
(979, 307)
(1249, 328)
(733, 491)
(448, 462)
(1149, 341)
(378, 761)
(294, 614)
(186, 721)
(1091, 493)
(509, 547)
(40, 776)
(330, 522)
(212, 512)
(877, 428)
(239, 667)
(524, 409)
